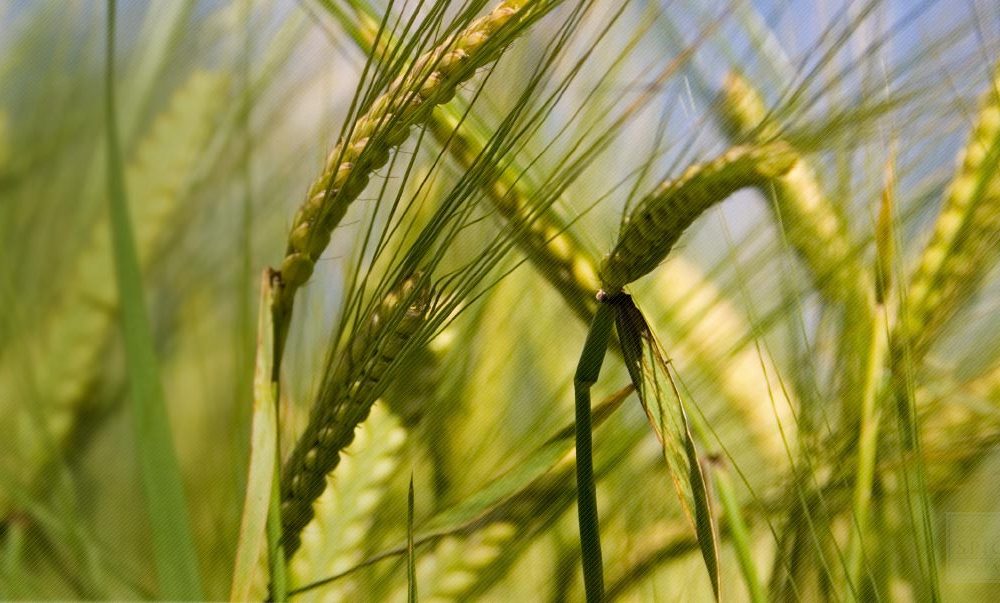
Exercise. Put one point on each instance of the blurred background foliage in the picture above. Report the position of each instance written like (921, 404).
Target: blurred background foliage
(226, 112)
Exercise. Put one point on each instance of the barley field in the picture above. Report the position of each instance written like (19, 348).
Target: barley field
(499, 300)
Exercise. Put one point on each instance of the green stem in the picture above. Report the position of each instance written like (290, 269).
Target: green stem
(587, 372)
(867, 448)
(738, 532)
(275, 547)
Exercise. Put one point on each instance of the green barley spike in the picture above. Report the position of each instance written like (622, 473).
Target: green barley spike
(659, 219)
(552, 249)
(431, 80)
(346, 400)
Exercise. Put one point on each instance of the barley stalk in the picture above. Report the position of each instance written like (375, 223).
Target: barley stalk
(659, 220)
(964, 244)
(430, 81)
(346, 400)
(70, 348)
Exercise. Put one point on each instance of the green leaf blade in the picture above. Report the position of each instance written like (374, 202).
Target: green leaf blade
(175, 556)
(668, 418)
(263, 456)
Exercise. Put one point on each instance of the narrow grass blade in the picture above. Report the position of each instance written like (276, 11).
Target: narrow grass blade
(275, 546)
(668, 418)
(411, 563)
(739, 534)
(263, 455)
(174, 550)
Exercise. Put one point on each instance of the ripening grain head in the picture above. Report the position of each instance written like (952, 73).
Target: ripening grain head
(660, 219)
(431, 80)
(346, 399)
(966, 238)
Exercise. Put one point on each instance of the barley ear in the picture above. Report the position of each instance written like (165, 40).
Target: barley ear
(964, 244)
(812, 228)
(660, 219)
(431, 80)
(71, 345)
(346, 399)
(552, 249)
(808, 220)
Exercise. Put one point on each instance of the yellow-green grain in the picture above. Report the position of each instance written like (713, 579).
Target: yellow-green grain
(431, 80)
(966, 238)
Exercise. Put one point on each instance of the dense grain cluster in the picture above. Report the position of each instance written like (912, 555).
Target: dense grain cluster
(346, 400)
(430, 81)
(966, 235)
(660, 218)
(553, 250)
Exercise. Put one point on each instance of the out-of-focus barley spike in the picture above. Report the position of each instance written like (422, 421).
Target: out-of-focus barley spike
(69, 349)
(966, 239)
(808, 219)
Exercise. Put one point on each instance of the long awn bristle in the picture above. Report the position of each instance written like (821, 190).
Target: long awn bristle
(430, 81)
